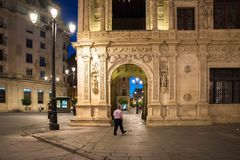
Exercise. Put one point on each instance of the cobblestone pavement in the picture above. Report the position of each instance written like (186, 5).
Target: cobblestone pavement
(215, 142)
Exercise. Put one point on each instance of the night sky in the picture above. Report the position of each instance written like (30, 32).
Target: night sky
(69, 14)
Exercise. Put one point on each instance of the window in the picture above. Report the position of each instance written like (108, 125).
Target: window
(226, 14)
(224, 85)
(42, 74)
(1, 22)
(50, 94)
(1, 68)
(2, 95)
(27, 94)
(29, 58)
(64, 69)
(29, 43)
(1, 54)
(40, 97)
(185, 19)
(1, 39)
(63, 57)
(42, 62)
(128, 15)
(1, 3)
(29, 72)
(42, 45)
(42, 34)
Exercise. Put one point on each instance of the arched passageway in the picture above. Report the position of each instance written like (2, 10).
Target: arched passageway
(129, 89)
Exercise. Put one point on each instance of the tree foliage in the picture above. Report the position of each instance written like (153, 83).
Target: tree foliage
(26, 102)
(123, 101)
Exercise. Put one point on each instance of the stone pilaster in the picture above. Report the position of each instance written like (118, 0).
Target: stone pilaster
(171, 107)
(171, 15)
(86, 15)
(102, 23)
(202, 106)
(154, 15)
(80, 15)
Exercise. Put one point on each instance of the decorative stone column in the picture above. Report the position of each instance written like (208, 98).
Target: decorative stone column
(92, 108)
(202, 106)
(83, 108)
(171, 107)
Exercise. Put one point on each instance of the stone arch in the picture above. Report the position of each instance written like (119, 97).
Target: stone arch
(144, 67)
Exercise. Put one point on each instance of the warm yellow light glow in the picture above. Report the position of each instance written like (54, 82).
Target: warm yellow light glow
(73, 69)
(33, 17)
(54, 12)
(66, 71)
(72, 27)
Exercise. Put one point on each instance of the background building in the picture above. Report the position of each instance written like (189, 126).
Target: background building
(25, 55)
(187, 51)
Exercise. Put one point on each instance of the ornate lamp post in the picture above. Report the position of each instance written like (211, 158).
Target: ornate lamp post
(34, 16)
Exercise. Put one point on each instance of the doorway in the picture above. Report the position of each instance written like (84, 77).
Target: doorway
(129, 89)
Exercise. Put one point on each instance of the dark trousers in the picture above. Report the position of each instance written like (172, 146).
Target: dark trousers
(118, 122)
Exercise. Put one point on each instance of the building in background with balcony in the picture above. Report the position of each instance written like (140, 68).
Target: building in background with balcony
(25, 55)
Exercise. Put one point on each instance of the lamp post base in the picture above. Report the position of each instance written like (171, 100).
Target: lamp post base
(54, 126)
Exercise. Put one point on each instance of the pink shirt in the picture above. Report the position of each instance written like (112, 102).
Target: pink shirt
(117, 114)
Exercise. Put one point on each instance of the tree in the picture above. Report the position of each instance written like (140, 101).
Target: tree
(123, 101)
(26, 102)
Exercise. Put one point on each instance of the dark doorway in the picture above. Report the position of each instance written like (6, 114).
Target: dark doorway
(128, 15)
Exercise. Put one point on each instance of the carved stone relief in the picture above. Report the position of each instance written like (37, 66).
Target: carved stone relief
(186, 48)
(129, 54)
(95, 75)
(164, 48)
(163, 78)
(187, 69)
(226, 52)
(86, 80)
(187, 97)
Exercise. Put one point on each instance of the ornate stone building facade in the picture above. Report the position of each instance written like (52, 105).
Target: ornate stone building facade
(25, 55)
(180, 45)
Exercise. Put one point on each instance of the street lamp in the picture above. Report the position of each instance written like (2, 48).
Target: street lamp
(72, 73)
(72, 87)
(34, 16)
(137, 81)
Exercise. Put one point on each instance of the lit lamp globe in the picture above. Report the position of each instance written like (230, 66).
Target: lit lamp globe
(54, 12)
(72, 27)
(33, 17)
(73, 69)
(66, 71)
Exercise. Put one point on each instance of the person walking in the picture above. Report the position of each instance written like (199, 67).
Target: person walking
(118, 117)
